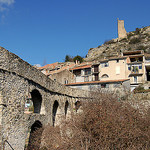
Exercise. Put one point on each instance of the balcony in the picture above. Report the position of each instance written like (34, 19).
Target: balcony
(96, 69)
(135, 71)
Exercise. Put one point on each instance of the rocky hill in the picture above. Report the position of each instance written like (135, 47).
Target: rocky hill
(136, 40)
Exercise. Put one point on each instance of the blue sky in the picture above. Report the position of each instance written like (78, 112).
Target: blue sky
(44, 31)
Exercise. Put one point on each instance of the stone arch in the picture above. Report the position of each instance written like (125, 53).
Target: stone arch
(32, 137)
(37, 100)
(66, 107)
(77, 105)
(54, 111)
(105, 76)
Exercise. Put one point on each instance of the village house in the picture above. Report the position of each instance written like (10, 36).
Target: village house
(59, 72)
(82, 72)
(121, 85)
(132, 65)
(127, 71)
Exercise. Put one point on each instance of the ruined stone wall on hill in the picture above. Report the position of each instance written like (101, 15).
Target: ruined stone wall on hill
(135, 40)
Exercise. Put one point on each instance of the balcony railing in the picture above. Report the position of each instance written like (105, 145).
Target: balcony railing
(135, 71)
(95, 69)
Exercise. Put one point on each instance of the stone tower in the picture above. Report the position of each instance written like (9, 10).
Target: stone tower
(121, 30)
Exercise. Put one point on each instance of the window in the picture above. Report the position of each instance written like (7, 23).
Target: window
(104, 85)
(140, 67)
(135, 79)
(86, 79)
(65, 81)
(129, 67)
(54, 79)
(117, 69)
(135, 69)
(96, 77)
(87, 71)
(104, 64)
(96, 68)
(105, 76)
(77, 72)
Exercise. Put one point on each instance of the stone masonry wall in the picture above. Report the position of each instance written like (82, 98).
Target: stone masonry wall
(17, 80)
(121, 30)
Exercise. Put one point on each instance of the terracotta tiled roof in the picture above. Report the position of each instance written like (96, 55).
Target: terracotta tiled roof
(52, 66)
(81, 67)
(61, 69)
(94, 82)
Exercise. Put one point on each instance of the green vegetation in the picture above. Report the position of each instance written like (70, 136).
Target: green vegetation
(137, 31)
(90, 48)
(68, 58)
(141, 89)
(124, 40)
(31, 108)
(109, 42)
(78, 58)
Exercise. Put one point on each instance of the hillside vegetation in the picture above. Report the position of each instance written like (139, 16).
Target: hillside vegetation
(105, 123)
(136, 40)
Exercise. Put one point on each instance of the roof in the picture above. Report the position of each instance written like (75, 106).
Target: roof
(53, 65)
(119, 57)
(61, 69)
(95, 82)
(114, 58)
(133, 52)
(81, 67)
(133, 56)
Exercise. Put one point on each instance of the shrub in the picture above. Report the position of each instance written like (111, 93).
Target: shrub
(137, 31)
(31, 108)
(68, 58)
(124, 40)
(90, 48)
(105, 123)
(78, 58)
(109, 42)
(141, 89)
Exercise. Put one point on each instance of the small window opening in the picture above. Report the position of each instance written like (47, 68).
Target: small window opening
(77, 105)
(54, 112)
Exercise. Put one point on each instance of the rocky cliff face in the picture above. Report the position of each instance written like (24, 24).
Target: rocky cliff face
(136, 40)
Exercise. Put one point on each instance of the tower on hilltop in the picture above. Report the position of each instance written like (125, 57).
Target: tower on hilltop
(121, 30)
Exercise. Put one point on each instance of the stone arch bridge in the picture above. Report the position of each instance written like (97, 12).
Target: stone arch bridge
(19, 81)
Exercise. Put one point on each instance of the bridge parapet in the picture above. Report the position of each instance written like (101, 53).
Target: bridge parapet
(12, 63)
(52, 101)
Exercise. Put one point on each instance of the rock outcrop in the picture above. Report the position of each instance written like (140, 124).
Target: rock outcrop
(135, 40)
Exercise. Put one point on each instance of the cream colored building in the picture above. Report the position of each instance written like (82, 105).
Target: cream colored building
(131, 65)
